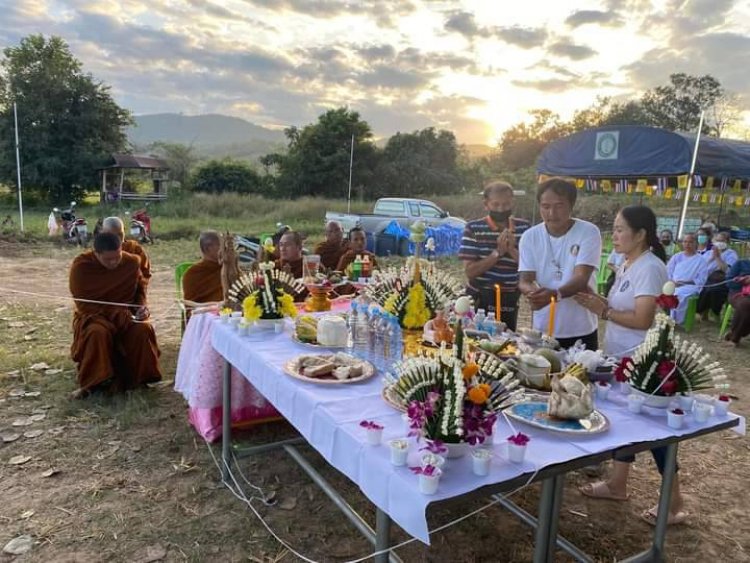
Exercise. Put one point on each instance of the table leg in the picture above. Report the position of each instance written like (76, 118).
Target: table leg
(546, 502)
(382, 535)
(656, 553)
(226, 420)
(555, 516)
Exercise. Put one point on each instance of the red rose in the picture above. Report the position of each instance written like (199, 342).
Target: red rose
(665, 369)
(724, 398)
(669, 387)
(667, 302)
(620, 369)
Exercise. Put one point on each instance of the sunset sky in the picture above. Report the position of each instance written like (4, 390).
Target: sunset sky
(474, 67)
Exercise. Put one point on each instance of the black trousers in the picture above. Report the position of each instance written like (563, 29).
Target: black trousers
(590, 340)
(713, 298)
(484, 298)
(660, 457)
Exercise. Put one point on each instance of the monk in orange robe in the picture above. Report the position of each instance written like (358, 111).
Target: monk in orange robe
(290, 252)
(202, 282)
(331, 249)
(357, 243)
(113, 348)
(115, 225)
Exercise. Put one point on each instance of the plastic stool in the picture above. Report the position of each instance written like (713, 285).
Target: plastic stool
(692, 310)
(726, 318)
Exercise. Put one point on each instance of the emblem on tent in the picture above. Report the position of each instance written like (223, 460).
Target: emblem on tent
(607, 145)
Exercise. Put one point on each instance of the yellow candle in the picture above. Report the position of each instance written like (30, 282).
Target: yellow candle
(551, 326)
(497, 302)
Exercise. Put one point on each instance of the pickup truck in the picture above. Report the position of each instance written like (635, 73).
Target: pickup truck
(402, 209)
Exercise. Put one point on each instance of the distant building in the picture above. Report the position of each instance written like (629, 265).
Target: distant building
(134, 177)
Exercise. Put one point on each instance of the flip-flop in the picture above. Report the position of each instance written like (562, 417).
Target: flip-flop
(649, 516)
(600, 490)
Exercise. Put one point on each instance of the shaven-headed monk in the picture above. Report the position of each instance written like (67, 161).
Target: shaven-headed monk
(112, 348)
(114, 225)
(202, 281)
(331, 249)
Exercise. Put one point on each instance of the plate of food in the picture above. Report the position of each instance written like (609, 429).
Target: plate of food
(329, 369)
(534, 413)
(392, 399)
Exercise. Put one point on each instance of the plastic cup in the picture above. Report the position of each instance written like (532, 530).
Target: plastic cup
(480, 462)
(701, 412)
(428, 484)
(374, 436)
(602, 391)
(399, 451)
(635, 403)
(721, 407)
(674, 420)
(516, 453)
(687, 402)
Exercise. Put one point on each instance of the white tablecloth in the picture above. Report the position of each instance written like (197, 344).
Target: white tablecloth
(328, 417)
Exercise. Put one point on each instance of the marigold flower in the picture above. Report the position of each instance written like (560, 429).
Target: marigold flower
(477, 395)
(470, 370)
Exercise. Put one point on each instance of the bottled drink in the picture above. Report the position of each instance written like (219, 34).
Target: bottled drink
(366, 267)
(357, 268)
(361, 334)
(352, 326)
(479, 319)
(396, 343)
(374, 341)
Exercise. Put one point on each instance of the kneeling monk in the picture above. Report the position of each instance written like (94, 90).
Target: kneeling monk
(202, 281)
(111, 347)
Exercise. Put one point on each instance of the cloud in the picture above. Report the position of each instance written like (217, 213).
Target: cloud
(524, 37)
(384, 12)
(547, 84)
(566, 48)
(583, 17)
(463, 23)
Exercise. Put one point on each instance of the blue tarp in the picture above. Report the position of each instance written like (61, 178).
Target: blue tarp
(447, 239)
(630, 150)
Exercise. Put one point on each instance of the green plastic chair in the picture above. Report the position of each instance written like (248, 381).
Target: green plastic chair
(692, 310)
(726, 319)
(179, 273)
(602, 275)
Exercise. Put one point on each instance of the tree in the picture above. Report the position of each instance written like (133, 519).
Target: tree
(317, 160)
(422, 162)
(180, 158)
(219, 176)
(520, 145)
(69, 124)
(677, 106)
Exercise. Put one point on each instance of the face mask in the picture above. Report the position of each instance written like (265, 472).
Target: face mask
(500, 216)
(666, 241)
(720, 244)
(702, 239)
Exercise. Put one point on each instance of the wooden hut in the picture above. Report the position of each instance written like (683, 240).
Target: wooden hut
(127, 172)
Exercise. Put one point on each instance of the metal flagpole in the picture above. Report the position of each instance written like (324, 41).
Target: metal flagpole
(18, 165)
(351, 164)
(690, 178)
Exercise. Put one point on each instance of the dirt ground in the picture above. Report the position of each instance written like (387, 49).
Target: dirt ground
(132, 482)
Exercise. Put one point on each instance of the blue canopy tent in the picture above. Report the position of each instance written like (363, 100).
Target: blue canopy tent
(631, 150)
(638, 151)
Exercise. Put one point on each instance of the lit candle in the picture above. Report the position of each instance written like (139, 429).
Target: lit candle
(551, 326)
(497, 302)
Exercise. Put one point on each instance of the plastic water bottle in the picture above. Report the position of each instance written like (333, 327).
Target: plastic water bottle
(375, 341)
(351, 342)
(361, 334)
(479, 319)
(395, 335)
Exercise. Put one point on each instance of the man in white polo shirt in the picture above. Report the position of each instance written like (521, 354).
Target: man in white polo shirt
(559, 258)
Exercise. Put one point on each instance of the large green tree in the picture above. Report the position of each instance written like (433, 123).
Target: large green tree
(677, 105)
(180, 158)
(219, 176)
(317, 160)
(68, 122)
(418, 163)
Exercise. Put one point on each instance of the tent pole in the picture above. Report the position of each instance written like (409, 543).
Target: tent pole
(18, 166)
(351, 165)
(690, 178)
(721, 208)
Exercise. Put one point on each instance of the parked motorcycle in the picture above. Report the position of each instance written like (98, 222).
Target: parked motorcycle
(74, 229)
(140, 225)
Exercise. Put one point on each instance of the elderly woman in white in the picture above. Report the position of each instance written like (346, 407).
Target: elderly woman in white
(689, 272)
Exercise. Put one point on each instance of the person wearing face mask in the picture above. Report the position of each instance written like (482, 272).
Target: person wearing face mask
(688, 270)
(703, 238)
(489, 250)
(719, 260)
(666, 238)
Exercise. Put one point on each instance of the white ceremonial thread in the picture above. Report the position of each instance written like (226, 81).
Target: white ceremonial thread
(240, 494)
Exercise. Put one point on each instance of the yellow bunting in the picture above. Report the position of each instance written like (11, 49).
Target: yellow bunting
(580, 183)
(641, 186)
(737, 185)
(704, 198)
(738, 201)
(668, 193)
(606, 185)
(682, 181)
(709, 182)
(649, 191)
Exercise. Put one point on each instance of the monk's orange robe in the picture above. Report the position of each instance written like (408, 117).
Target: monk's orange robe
(107, 343)
(202, 282)
(132, 247)
(330, 254)
(350, 256)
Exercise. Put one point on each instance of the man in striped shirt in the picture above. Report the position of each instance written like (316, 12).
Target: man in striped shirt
(489, 250)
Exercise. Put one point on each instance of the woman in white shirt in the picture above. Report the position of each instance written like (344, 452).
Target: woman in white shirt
(629, 310)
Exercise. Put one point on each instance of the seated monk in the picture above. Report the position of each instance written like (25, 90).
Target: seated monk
(112, 349)
(291, 261)
(114, 225)
(333, 247)
(202, 281)
(357, 243)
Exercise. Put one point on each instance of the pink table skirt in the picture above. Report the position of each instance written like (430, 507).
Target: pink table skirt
(199, 380)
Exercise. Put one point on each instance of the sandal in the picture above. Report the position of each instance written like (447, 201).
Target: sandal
(601, 490)
(674, 518)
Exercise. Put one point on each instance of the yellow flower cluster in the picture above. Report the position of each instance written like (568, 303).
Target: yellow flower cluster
(250, 308)
(417, 313)
(390, 304)
(286, 304)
